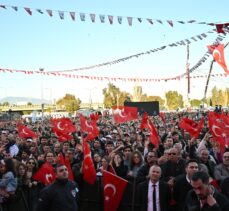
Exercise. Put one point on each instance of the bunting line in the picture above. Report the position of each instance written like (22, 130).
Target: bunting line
(107, 78)
(129, 20)
(179, 43)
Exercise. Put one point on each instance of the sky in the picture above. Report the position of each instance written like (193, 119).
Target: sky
(39, 41)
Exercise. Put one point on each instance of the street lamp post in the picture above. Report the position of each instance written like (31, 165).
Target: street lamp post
(42, 95)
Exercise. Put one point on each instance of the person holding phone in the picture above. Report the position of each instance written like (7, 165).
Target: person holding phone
(203, 196)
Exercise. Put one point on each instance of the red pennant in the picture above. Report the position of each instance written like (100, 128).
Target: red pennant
(110, 18)
(28, 10)
(25, 132)
(89, 173)
(219, 28)
(114, 188)
(49, 12)
(130, 19)
(170, 23)
(218, 55)
(45, 174)
(124, 113)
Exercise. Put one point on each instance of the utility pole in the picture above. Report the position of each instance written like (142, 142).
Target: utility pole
(42, 95)
(188, 76)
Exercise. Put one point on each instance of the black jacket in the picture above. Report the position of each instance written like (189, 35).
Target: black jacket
(61, 196)
(170, 169)
(180, 190)
(142, 173)
(192, 203)
(164, 195)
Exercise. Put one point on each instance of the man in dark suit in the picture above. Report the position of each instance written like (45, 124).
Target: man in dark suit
(182, 184)
(204, 197)
(153, 195)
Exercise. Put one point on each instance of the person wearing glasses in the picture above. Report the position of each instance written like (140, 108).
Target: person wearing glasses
(221, 171)
(62, 195)
(182, 184)
(143, 172)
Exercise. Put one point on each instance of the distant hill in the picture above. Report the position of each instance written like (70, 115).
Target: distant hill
(18, 100)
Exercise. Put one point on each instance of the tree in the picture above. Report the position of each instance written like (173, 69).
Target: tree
(217, 96)
(70, 103)
(174, 100)
(113, 96)
(195, 103)
(29, 104)
(5, 103)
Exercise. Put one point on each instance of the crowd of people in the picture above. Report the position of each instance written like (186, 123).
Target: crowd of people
(181, 174)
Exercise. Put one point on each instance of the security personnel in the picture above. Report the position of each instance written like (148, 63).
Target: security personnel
(61, 195)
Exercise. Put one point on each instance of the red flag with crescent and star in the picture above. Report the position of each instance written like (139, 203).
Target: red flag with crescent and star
(147, 124)
(114, 187)
(88, 170)
(63, 128)
(217, 52)
(124, 113)
(191, 126)
(45, 174)
(219, 128)
(25, 132)
(89, 126)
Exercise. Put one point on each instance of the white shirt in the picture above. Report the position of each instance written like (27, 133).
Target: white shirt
(150, 196)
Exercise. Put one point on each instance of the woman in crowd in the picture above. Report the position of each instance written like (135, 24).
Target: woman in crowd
(136, 162)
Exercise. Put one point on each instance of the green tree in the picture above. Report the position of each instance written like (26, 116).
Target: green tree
(5, 103)
(29, 104)
(195, 103)
(217, 96)
(113, 96)
(174, 100)
(70, 103)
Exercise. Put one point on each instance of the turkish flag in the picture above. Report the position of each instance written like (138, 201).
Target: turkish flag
(114, 188)
(124, 114)
(89, 173)
(94, 117)
(45, 174)
(191, 127)
(147, 124)
(63, 128)
(25, 132)
(65, 161)
(89, 126)
(219, 128)
(218, 55)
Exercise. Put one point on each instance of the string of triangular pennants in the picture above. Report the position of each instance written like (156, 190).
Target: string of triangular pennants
(82, 16)
(134, 56)
(105, 78)
(101, 78)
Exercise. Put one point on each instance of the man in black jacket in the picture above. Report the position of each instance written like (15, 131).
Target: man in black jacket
(153, 194)
(61, 195)
(143, 173)
(182, 184)
(204, 197)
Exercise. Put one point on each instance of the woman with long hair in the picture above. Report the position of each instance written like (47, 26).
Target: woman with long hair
(136, 161)
(118, 165)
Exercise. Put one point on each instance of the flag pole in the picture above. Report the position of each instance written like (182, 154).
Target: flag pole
(208, 78)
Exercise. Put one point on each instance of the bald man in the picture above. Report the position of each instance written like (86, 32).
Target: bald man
(153, 194)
